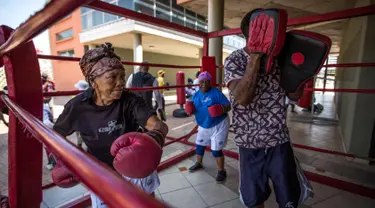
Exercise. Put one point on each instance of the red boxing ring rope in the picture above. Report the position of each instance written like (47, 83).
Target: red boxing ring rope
(340, 65)
(364, 91)
(64, 58)
(101, 180)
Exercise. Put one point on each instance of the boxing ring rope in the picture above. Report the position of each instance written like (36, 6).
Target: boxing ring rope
(40, 22)
(64, 58)
(338, 65)
(101, 180)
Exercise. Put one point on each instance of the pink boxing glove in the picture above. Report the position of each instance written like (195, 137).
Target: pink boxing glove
(137, 155)
(216, 110)
(189, 107)
(62, 176)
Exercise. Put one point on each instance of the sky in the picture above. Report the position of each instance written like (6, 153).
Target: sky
(15, 12)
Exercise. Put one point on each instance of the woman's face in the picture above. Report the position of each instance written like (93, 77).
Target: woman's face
(110, 84)
(204, 85)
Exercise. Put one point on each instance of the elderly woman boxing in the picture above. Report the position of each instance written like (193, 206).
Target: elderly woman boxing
(107, 117)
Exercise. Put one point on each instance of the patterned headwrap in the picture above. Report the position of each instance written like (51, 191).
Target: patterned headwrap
(97, 61)
(204, 76)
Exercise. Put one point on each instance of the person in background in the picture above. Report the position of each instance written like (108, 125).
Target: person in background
(190, 91)
(196, 81)
(81, 85)
(211, 108)
(161, 83)
(48, 121)
(47, 86)
(144, 79)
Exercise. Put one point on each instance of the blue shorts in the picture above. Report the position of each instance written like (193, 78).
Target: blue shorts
(278, 164)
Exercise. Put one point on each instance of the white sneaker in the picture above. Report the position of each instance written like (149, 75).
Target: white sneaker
(49, 166)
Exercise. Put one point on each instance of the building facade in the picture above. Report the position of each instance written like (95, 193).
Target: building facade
(133, 40)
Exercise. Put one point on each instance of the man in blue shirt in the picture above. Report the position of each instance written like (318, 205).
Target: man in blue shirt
(211, 108)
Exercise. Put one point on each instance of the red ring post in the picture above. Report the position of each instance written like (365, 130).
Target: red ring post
(180, 80)
(209, 65)
(25, 153)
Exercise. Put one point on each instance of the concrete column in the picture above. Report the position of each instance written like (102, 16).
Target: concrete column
(137, 50)
(200, 55)
(215, 23)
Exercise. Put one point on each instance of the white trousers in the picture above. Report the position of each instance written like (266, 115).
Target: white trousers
(216, 136)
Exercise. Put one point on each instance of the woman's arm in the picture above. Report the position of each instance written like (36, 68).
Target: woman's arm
(243, 89)
(227, 108)
(154, 123)
(146, 118)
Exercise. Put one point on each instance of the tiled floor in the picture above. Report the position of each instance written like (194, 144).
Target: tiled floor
(179, 188)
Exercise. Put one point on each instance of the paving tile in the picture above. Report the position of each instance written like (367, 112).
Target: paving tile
(303, 158)
(187, 163)
(157, 192)
(198, 177)
(172, 182)
(184, 198)
(271, 201)
(354, 174)
(235, 203)
(328, 166)
(321, 192)
(346, 200)
(213, 193)
(55, 195)
(171, 169)
(158, 197)
(43, 205)
(233, 164)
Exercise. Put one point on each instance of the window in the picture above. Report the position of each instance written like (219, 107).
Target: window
(178, 17)
(109, 17)
(69, 53)
(84, 10)
(86, 48)
(64, 35)
(165, 2)
(144, 7)
(126, 4)
(190, 22)
(201, 18)
(97, 18)
(162, 12)
(202, 26)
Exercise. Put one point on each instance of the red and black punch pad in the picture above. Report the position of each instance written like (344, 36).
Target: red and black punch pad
(279, 19)
(302, 57)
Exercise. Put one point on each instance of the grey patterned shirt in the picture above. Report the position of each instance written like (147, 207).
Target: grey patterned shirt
(262, 123)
